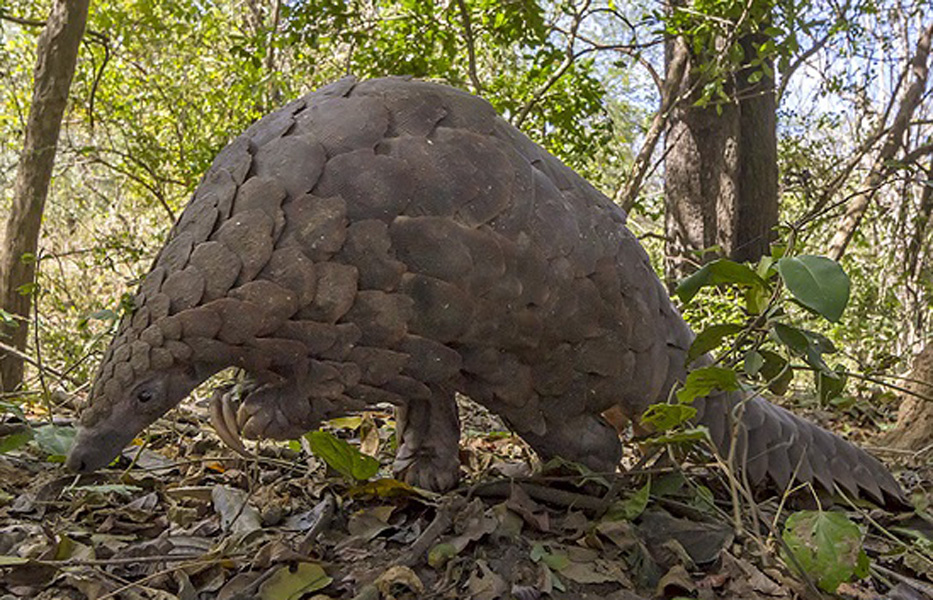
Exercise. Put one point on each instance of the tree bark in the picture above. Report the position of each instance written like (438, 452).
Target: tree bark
(914, 428)
(756, 209)
(919, 68)
(721, 183)
(700, 178)
(56, 54)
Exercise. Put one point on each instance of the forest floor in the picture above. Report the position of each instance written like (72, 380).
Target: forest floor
(183, 517)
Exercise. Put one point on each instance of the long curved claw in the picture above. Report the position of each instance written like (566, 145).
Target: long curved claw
(224, 421)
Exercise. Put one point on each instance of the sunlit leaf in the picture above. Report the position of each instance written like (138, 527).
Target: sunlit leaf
(291, 583)
(715, 273)
(662, 417)
(817, 282)
(11, 442)
(828, 547)
(341, 456)
(710, 338)
(701, 382)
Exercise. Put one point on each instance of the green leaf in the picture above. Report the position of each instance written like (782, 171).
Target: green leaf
(8, 319)
(753, 362)
(807, 344)
(828, 547)
(710, 338)
(701, 382)
(103, 315)
(440, 554)
(554, 560)
(685, 436)
(830, 386)
(775, 371)
(11, 442)
(291, 584)
(718, 272)
(817, 282)
(341, 456)
(662, 417)
(109, 488)
(630, 508)
(54, 440)
(756, 299)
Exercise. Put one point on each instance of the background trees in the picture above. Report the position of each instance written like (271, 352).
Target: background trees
(57, 50)
(771, 112)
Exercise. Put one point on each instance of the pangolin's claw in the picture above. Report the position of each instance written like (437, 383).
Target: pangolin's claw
(224, 421)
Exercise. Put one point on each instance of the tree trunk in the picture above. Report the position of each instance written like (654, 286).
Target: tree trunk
(914, 428)
(56, 54)
(720, 181)
(756, 210)
(700, 176)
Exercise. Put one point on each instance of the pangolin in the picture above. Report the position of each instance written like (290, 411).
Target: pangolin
(396, 241)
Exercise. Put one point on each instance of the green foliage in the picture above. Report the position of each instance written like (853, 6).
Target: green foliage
(54, 440)
(807, 344)
(11, 442)
(515, 55)
(702, 381)
(816, 282)
(710, 338)
(341, 456)
(664, 417)
(827, 546)
(632, 506)
(717, 272)
(757, 352)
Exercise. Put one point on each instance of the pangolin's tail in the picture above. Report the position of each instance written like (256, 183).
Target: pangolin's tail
(778, 447)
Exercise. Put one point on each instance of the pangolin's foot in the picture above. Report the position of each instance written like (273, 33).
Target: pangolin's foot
(261, 411)
(587, 439)
(429, 435)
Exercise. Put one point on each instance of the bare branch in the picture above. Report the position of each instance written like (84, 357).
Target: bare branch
(569, 57)
(675, 72)
(470, 44)
(920, 69)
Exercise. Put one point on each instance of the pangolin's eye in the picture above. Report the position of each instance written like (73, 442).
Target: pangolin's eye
(144, 395)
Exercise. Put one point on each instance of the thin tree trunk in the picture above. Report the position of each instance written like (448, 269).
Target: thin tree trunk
(756, 213)
(56, 53)
(700, 170)
(676, 66)
(914, 428)
(859, 203)
(921, 222)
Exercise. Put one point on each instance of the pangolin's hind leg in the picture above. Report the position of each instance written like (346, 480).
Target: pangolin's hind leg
(428, 432)
(586, 439)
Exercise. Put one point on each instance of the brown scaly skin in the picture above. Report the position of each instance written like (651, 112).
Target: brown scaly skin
(393, 241)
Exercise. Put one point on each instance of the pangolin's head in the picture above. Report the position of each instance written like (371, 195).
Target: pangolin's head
(143, 375)
(110, 422)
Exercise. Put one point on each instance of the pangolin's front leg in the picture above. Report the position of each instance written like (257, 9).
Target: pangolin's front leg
(429, 437)
(283, 409)
(257, 410)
